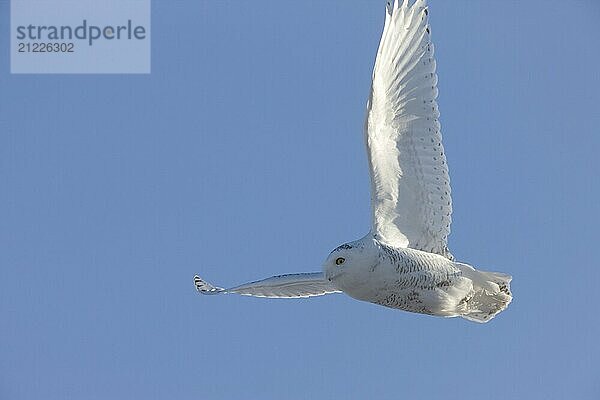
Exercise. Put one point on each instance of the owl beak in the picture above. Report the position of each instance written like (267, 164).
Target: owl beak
(331, 276)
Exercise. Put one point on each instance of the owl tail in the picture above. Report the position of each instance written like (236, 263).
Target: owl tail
(491, 294)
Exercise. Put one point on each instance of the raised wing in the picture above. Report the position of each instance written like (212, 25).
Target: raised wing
(280, 286)
(410, 187)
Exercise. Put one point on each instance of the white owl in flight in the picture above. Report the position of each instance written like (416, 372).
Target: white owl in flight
(403, 262)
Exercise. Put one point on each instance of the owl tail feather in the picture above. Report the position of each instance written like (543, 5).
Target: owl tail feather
(491, 294)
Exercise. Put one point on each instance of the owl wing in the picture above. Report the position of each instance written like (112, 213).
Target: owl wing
(410, 186)
(280, 286)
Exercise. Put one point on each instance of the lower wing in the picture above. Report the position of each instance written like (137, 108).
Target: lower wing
(280, 286)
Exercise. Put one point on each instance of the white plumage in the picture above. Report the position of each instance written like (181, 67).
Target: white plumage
(403, 262)
(288, 286)
(409, 175)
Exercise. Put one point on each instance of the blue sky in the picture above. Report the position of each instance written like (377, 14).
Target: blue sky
(241, 156)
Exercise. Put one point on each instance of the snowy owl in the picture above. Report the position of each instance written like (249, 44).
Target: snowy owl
(403, 262)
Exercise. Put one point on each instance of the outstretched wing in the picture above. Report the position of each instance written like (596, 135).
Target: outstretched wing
(280, 286)
(410, 187)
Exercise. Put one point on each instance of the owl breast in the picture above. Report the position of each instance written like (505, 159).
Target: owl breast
(410, 280)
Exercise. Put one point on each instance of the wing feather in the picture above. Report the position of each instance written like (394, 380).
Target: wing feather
(280, 286)
(410, 186)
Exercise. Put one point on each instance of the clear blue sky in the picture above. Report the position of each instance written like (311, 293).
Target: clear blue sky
(241, 156)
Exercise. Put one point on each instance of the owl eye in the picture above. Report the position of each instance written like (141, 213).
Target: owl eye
(340, 261)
